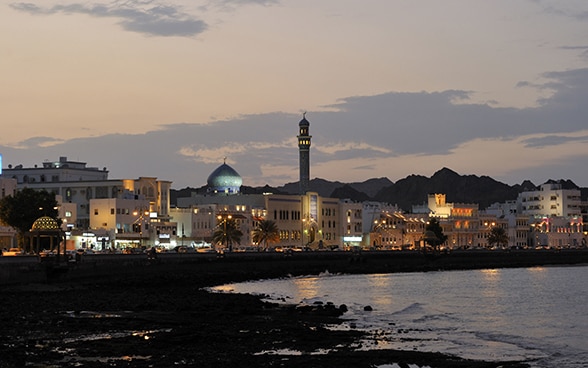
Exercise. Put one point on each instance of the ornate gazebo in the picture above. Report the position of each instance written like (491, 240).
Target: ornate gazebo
(46, 227)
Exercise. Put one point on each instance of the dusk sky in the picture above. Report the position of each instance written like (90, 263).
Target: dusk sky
(167, 89)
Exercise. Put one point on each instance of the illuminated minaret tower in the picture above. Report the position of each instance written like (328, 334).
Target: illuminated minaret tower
(304, 149)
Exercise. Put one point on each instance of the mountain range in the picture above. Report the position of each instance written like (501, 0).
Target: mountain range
(405, 193)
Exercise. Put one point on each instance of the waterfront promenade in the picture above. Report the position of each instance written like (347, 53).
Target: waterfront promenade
(26, 269)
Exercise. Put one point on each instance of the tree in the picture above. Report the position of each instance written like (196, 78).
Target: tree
(22, 209)
(435, 227)
(227, 232)
(266, 232)
(497, 236)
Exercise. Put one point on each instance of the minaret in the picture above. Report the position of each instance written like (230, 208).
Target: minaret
(304, 149)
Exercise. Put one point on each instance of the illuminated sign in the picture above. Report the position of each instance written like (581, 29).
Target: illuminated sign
(352, 238)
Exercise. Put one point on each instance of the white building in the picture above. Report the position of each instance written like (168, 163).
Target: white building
(517, 225)
(554, 215)
(351, 219)
(55, 171)
(550, 200)
(80, 189)
(78, 184)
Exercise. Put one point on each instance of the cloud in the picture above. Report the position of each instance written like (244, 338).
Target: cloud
(390, 135)
(145, 17)
(229, 5)
(339, 147)
(229, 150)
(247, 2)
(575, 10)
(554, 140)
(34, 142)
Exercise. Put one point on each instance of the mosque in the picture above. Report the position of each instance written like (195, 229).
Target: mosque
(303, 220)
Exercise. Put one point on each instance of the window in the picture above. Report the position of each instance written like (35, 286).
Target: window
(96, 211)
(112, 211)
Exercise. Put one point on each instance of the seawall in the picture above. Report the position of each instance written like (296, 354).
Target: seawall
(210, 269)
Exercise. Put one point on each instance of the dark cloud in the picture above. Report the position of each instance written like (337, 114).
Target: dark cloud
(371, 129)
(553, 140)
(135, 16)
(247, 2)
(555, 8)
(232, 4)
(39, 142)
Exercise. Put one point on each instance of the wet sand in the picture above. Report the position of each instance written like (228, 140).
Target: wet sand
(158, 315)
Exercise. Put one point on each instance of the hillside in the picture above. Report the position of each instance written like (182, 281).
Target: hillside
(409, 191)
(458, 188)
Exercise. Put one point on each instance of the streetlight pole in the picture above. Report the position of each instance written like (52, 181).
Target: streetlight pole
(224, 219)
(141, 220)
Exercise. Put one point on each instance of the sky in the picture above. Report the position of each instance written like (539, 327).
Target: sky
(169, 89)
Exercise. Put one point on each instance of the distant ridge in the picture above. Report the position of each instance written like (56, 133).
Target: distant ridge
(458, 188)
(326, 188)
(409, 191)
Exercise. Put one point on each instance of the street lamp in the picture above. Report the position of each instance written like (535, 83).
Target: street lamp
(223, 219)
(140, 220)
(308, 224)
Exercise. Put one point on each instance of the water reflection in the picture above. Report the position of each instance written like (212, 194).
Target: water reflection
(306, 288)
(146, 335)
(223, 288)
(492, 275)
(490, 283)
(380, 285)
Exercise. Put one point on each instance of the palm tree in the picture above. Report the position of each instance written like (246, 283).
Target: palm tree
(227, 233)
(21, 209)
(436, 238)
(497, 236)
(266, 232)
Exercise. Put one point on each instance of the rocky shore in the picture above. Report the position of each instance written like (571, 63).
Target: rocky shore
(159, 315)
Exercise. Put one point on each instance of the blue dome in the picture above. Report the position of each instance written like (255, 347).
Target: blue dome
(224, 180)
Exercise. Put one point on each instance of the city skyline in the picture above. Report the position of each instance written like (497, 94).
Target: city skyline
(169, 88)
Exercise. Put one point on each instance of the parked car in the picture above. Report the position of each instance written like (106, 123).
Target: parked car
(12, 252)
(47, 253)
(205, 249)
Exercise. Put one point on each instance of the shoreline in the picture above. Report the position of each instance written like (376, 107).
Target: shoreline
(159, 315)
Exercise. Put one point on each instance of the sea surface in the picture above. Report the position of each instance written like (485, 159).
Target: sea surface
(538, 315)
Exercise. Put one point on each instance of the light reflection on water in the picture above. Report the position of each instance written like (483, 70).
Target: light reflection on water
(146, 335)
(536, 314)
(307, 288)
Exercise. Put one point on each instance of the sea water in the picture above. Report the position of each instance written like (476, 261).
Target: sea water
(538, 315)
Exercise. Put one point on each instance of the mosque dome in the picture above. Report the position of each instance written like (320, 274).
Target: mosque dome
(45, 223)
(224, 180)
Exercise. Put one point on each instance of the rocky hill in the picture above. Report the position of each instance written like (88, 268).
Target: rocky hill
(326, 188)
(409, 191)
(482, 190)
